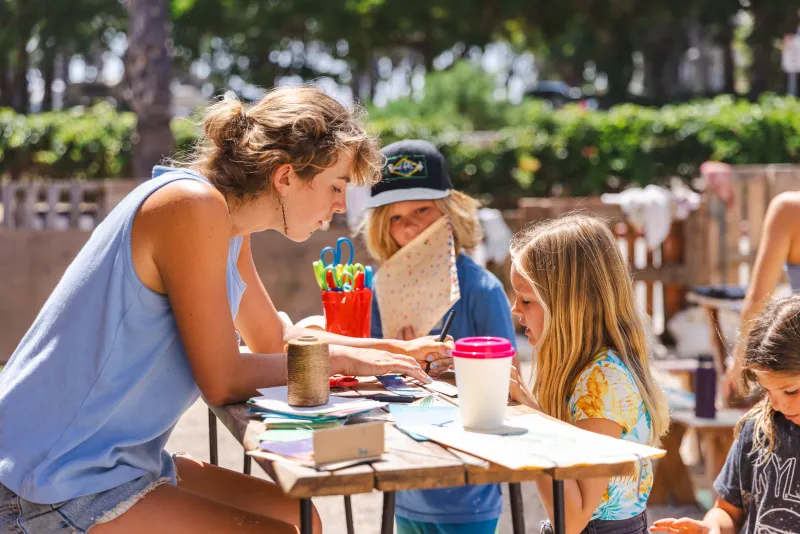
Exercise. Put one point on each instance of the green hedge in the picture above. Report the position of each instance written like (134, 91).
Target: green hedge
(572, 150)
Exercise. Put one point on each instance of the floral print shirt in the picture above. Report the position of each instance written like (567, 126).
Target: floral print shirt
(605, 389)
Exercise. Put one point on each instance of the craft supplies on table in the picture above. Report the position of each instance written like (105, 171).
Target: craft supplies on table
(308, 366)
(304, 433)
(346, 290)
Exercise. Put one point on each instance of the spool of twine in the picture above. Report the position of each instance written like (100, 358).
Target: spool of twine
(309, 372)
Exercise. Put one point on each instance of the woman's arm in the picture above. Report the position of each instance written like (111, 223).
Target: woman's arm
(190, 236)
(581, 497)
(776, 238)
(263, 331)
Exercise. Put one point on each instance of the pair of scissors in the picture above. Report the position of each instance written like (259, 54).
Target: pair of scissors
(319, 274)
(337, 280)
(353, 269)
(337, 253)
(343, 381)
(368, 277)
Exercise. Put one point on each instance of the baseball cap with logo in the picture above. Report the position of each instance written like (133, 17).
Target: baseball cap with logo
(413, 170)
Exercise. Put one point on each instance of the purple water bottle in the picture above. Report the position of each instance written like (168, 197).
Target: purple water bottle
(705, 387)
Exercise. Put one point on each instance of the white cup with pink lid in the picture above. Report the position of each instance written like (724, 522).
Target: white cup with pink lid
(483, 368)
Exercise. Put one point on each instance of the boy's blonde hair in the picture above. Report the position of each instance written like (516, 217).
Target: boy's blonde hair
(577, 272)
(461, 208)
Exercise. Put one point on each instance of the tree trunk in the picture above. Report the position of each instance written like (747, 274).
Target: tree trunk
(759, 69)
(726, 42)
(49, 76)
(5, 87)
(19, 85)
(148, 73)
(619, 69)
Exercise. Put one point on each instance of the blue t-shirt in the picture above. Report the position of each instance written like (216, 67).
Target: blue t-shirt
(483, 310)
(94, 389)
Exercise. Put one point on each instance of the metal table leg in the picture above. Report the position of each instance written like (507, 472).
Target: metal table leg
(559, 525)
(348, 514)
(212, 437)
(306, 517)
(517, 513)
(387, 525)
(248, 460)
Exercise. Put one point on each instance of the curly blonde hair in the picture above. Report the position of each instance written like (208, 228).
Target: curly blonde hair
(242, 146)
(461, 208)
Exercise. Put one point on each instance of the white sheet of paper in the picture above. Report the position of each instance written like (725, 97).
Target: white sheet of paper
(276, 400)
(546, 444)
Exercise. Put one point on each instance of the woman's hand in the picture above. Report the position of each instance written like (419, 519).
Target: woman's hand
(429, 350)
(683, 525)
(351, 361)
(520, 392)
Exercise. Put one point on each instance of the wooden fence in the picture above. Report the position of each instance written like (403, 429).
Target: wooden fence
(662, 275)
(716, 244)
(735, 224)
(59, 204)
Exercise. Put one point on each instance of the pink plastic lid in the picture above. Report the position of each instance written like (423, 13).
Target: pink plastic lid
(483, 348)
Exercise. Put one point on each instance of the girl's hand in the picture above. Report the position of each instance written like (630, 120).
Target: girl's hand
(519, 392)
(428, 350)
(351, 361)
(684, 525)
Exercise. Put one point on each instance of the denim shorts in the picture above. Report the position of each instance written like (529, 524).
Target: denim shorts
(78, 515)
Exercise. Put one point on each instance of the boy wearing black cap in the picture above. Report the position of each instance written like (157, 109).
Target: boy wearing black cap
(415, 192)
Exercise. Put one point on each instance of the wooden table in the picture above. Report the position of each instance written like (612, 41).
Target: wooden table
(671, 477)
(406, 465)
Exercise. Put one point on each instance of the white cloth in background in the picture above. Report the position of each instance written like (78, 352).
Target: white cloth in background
(652, 209)
(356, 198)
(649, 210)
(684, 201)
(496, 238)
(692, 331)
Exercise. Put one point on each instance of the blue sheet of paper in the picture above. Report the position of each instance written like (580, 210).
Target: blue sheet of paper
(405, 415)
(396, 384)
(302, 449)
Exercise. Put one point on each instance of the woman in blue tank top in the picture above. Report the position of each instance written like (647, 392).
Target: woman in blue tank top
(778, 252)
(144, 320)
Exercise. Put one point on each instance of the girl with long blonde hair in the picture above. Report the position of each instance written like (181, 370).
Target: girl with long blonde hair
(575, 298)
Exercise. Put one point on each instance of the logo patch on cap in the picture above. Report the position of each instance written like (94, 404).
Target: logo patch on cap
(401, 167)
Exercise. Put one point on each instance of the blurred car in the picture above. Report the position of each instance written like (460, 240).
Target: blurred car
(559, 93)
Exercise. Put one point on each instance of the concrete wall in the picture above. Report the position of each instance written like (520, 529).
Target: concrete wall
(32, 263)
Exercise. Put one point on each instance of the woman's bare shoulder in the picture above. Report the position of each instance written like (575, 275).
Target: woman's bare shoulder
(184, 202)
(785, 208)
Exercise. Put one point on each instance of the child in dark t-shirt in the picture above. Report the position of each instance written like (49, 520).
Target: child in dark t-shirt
(758, 490)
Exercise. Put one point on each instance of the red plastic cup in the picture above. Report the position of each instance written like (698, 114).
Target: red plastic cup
(348, 313)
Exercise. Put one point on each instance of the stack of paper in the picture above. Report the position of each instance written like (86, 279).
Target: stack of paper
(290, 428)
(275, 400)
